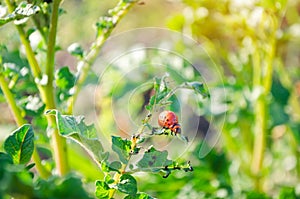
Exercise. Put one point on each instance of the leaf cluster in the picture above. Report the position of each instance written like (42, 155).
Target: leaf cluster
(17, 178)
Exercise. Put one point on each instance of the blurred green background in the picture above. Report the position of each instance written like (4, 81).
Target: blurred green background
(252, 47)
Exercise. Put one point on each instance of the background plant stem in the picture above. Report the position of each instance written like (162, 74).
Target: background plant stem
(262, 74)
(85, 65)
(29, 52)
(47, 92)
(11, 102)
(59, 143)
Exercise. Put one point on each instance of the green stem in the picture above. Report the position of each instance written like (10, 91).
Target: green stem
(20, 121)
(38, 164)
(260, 128)
(34, 66)
(59, 143)
(51, 43)
(85, 65)
(133, 146)
(124, 166)
(259, 141)
(145, 121)
(259, 134)
(117, 180)
(29, 52)
(46, 92)
(11, 102)
(37, 74)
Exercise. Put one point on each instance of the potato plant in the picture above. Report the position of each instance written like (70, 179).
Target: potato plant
(41, 100)
(232, 94)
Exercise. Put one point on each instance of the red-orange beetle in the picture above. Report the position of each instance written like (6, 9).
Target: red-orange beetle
(169, 120)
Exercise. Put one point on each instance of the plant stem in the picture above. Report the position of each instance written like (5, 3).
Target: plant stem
(142, 128)
(117, 179)
(11, 102)
(46, 92)
(37, 74)
(260, 128)
(38, 165)
(123, 168)
(259, 141)
(133, 146)
(34, 66)
(29, 52)
(59, 143)
(51, 43)
(85, 65)
(20, 121)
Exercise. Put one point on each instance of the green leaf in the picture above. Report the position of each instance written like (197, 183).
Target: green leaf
(115, 166)
(197, 87)
(76, 50)
(5, 159)
(278, 114)
(64, 78)
(104, 25)
(257, 195)
(17, 71)
(108, 179)
(161, 91)
(67, 187)
(30, 31)
(122, 147)
(216, 160)
(127, 184)
(154, 160)
(279, 92)
(16, 181)
(102, 190)
(19, 145)
(287, 192)
(104, 166)
(141, 195)
(74, 128)
(23, 10)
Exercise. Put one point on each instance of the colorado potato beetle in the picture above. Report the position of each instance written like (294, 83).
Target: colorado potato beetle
(169, 120)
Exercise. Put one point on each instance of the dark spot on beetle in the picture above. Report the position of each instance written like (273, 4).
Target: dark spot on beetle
(154, 157)
(150, 163)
